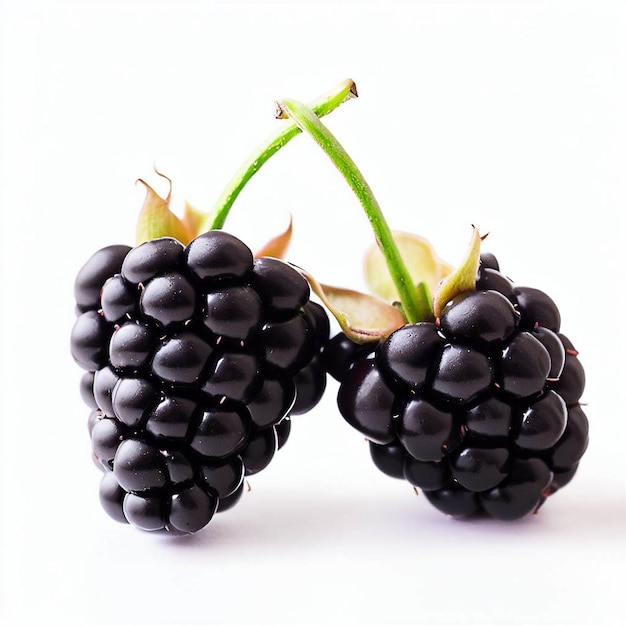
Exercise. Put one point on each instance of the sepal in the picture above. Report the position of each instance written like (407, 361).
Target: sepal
(363, 318)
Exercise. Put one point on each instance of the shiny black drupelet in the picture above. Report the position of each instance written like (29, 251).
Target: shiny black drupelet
(480, 409)
(195, 357)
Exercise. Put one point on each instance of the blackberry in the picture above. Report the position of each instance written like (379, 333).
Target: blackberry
(480, 408)
(195, 356)
(341, 354)
(471, 395)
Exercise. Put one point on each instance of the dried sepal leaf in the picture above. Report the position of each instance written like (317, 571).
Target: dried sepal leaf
(420, 258)
(363, 318)
(463, 278)
(277, 246)
(156, 220)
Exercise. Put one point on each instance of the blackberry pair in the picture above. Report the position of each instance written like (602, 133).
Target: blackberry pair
(195, 358)
(197, 354)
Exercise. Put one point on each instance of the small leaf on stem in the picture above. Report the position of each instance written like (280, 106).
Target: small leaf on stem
(420, 258)
(463, 278)
(277, 246)
(156, 220)
(192, 219)
(363, 318)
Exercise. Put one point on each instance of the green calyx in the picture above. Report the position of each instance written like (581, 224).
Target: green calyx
(463, 278)
(157, 220)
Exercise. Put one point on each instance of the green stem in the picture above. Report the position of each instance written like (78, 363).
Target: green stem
(322, 106)
(415, 306)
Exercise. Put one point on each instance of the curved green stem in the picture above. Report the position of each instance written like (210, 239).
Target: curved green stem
(415, 306)
(322, 106)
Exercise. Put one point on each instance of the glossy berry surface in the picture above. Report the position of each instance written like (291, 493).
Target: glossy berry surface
(194, 359)
(479, 409)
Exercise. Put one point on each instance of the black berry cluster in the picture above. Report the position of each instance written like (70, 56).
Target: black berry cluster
(480, 409)
(195, 357)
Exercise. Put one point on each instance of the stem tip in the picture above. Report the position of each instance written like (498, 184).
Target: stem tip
(279, 111)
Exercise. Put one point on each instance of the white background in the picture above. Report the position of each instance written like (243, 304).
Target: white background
(507, 115)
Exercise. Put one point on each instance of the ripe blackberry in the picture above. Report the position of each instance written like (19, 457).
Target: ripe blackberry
(479, 409)
(471, 395)
(195, 356)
